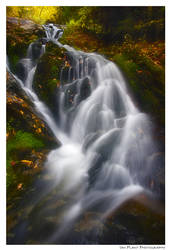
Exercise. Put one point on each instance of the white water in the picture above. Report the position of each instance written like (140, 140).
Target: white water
(105, 138)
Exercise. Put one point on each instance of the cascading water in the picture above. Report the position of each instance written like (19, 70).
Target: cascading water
(25, 76)
(105, 139)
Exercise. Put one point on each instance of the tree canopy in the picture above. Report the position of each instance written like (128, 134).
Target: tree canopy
(106, 22)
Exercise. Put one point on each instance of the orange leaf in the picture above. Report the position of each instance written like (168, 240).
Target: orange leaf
(19, 186)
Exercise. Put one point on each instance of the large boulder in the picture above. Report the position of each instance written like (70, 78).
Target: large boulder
(139, 220)
(29, 138)
(20, 33)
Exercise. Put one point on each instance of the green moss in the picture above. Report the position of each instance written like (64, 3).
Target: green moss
(52, 85)
(9, 125)
(22, 141)
(127, 65)
(47, 75)
(146, 81)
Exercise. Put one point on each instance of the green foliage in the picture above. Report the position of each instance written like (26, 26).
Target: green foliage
(114, 22)
(24, 140)
(67, 13)
(10, 125)
(73, 24)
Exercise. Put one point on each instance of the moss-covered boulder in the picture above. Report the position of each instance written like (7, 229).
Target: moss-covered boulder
(139, 220)
(20, 33)
(144, 68)
(47, 76)
(29, 140)
(28, 137)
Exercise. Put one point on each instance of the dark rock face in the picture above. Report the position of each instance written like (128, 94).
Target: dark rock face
(85, 89)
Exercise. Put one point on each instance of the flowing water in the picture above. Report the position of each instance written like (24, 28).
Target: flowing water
(106, 140)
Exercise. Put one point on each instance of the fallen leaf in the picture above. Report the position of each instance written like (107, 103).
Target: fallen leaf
(13, 163)
(19, 186)
(36, 166)
(38, 130)
(27, 162)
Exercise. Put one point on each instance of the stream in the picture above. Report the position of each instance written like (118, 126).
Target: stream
(104, 159)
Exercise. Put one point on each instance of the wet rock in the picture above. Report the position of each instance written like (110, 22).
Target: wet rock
(138, 221)
(64, 75)
(22, 68)
(156, 174)
(36, 50)
(43, 40)
(85, 89)
(70, 92)
(111, 138)
(89, 140)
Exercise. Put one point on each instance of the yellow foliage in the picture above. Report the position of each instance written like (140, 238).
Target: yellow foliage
(39, 14)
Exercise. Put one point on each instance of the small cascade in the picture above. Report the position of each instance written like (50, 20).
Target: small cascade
(53, 33)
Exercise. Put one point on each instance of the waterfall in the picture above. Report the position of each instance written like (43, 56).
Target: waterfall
(106, 140)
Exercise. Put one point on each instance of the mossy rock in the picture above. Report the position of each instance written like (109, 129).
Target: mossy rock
(20, 33)
(139, 220)
(47, 76)
(146, 84)
(26, 133)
